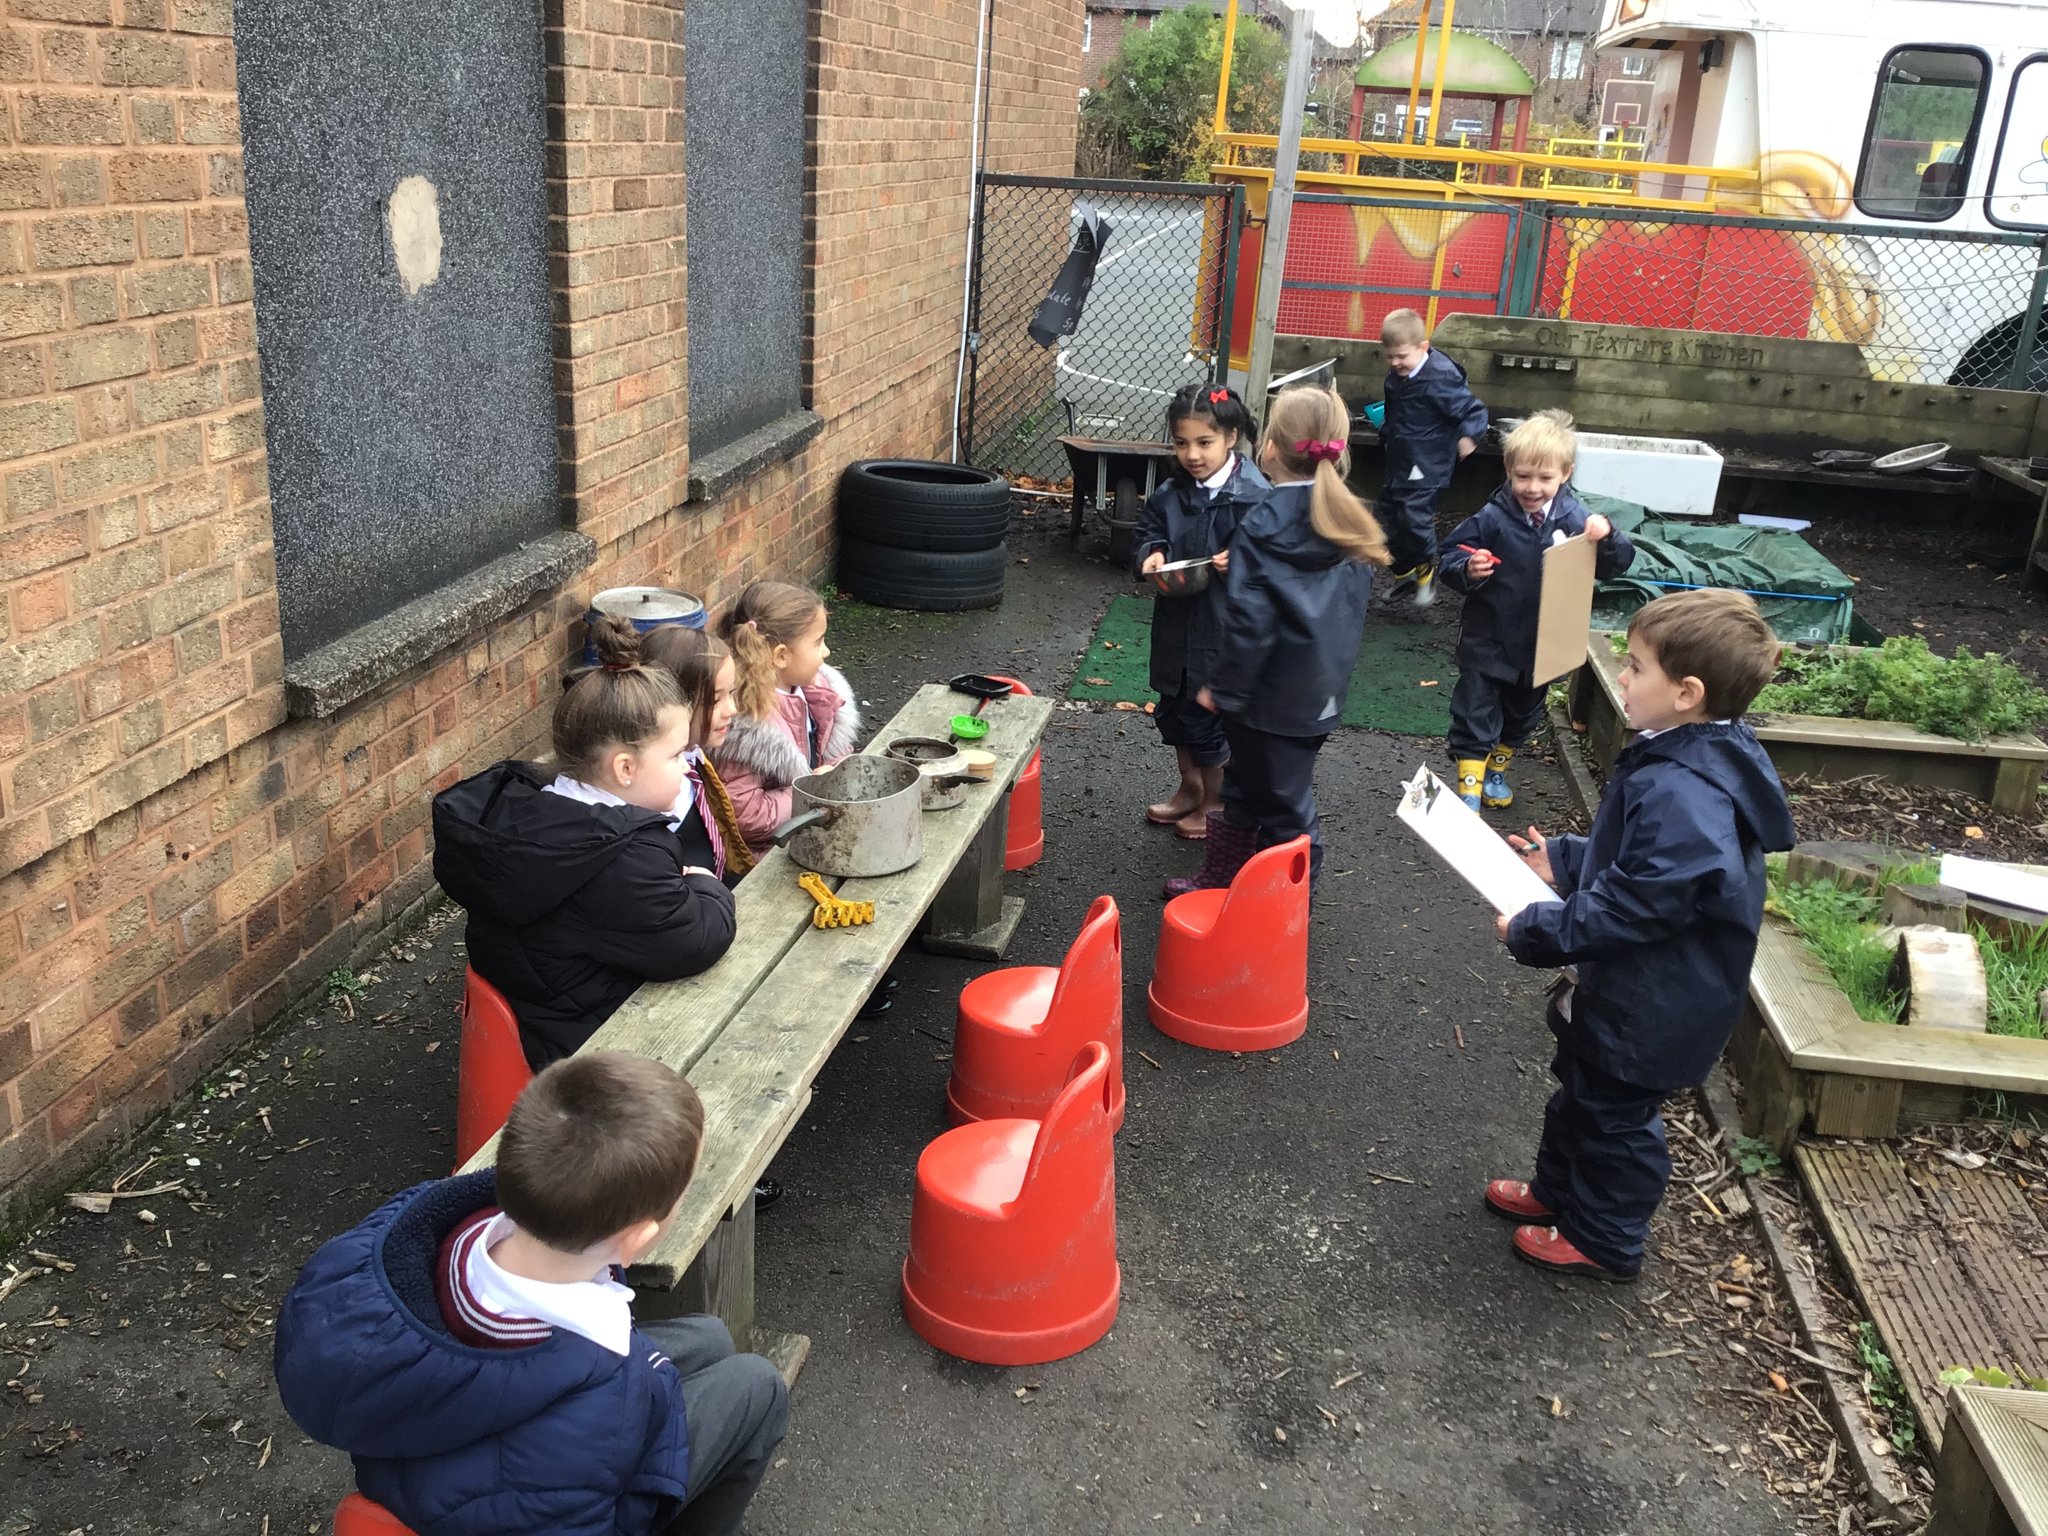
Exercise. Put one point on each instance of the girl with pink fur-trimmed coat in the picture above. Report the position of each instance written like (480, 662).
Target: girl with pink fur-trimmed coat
(796, 714)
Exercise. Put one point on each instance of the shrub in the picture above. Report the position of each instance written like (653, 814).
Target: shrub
(1964, 696)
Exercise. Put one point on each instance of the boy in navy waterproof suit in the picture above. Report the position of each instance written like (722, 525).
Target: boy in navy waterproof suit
(470, 1344)
(1496, 559)
(1661, 905)
(1433, 420)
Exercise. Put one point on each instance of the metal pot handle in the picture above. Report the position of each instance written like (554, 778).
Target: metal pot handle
(816, 816)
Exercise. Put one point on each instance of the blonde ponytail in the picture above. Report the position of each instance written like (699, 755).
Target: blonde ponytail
(766, 615)
(1307, 433)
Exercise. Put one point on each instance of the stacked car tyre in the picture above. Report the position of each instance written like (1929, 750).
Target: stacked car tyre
(917, 533)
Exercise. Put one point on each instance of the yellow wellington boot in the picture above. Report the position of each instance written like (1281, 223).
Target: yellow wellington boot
(1497, 792)
(1470, 770)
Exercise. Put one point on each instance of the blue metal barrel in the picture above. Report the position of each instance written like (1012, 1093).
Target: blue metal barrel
(644, 608)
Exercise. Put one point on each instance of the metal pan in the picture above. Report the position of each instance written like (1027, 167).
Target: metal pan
(861, 817)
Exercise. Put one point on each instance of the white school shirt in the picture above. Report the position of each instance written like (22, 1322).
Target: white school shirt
(590, 794)
(1221, 478)
(599, 1309)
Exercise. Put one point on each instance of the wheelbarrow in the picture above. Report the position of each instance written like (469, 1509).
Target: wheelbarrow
(1115, 476)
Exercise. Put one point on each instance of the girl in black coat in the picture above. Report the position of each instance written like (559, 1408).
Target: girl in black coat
(1294, 602)
(1190, 517)
(577, 882)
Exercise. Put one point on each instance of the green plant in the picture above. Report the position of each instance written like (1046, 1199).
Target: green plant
(1964, 696)
(1152, 115)
(1887, 1393)
(1990, 1376)
(1754, 1156)
(2015, 972)
(1836, 925)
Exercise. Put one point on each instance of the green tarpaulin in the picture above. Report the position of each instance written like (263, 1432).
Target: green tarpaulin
(1804, 597)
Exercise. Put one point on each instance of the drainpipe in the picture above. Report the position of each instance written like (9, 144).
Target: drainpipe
(974, 156)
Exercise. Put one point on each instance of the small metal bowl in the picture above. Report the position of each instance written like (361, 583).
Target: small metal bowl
(1183, 578)
(1906, 460)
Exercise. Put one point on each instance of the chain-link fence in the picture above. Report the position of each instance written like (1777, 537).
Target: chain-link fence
(1351, 260)
(1925, 306)
(1158, 315)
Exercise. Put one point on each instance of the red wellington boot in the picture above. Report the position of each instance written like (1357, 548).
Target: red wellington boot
(1223, 855)
(1511, 1198)
(1548, 1248)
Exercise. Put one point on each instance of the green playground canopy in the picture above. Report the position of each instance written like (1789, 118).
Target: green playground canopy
(1474, 67)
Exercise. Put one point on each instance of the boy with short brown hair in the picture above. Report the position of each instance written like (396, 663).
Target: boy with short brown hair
(473, 1347)
(1432, 421)
(1660, 908)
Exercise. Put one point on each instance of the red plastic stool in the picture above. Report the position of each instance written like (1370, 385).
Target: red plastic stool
(1020, 1027)
(1013, 1230)
(493, 1067)
(358, 1516)
(1232, 969)
(1026, 843)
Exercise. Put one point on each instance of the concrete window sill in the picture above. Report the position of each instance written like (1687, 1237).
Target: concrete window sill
(325, 681)
(724, 469)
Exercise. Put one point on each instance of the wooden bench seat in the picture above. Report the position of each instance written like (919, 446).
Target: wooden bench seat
(1992, 1478)
(753, 1031)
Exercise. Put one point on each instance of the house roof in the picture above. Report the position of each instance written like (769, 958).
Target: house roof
(1517, 16)
(1265, 8)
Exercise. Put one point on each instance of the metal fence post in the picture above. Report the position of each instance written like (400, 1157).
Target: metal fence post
(1528, 259)
(2030, 322)
(1233, 228)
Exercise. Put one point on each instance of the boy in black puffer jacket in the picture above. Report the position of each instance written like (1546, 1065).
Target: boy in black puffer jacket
(1661, 905)
(1496, 559)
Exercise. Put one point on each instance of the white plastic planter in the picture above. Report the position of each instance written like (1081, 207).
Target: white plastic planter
(1672, 476)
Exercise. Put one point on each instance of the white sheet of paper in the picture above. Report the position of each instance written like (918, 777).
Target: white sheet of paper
(1565, 609)
(1995, 882)
(1432, 809)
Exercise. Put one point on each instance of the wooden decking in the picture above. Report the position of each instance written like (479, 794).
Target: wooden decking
(1951, 1263)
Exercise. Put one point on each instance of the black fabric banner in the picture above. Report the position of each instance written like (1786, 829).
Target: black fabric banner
(1060, 312)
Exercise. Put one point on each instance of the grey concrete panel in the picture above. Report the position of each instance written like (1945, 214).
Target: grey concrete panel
(746, 71)
(406, 346)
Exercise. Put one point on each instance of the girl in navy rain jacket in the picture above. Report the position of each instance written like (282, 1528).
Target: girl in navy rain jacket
(1294, 600)
(1190, 517)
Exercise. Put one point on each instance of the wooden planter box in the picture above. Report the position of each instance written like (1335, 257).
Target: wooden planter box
(1807, 1061)
(2004, 771)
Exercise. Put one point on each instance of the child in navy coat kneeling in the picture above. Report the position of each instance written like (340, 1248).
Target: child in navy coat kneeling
(1496, 559)
(1661, 905)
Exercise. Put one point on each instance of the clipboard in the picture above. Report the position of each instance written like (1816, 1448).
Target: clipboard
(1477, 853)
(1565, 610)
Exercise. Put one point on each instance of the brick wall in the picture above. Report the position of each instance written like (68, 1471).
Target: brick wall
(139, 639)
(138, 947)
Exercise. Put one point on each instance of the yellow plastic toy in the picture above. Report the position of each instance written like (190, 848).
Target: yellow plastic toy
(830, 911)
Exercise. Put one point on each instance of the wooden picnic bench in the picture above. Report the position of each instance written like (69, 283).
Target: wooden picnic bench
(2017, 474)
(753, 1031)
(1992, 1478)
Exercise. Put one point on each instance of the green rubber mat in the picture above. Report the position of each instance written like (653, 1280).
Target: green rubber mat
(1402, 682)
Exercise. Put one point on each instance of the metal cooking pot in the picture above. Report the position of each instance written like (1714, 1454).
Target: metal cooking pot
(862, 816)
(942, 765)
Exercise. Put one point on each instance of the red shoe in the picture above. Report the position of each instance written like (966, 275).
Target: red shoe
(1548, 1248)
(1511, 1198)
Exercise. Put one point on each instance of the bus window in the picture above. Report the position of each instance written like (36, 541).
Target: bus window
(2018, 197)
(1922, 134)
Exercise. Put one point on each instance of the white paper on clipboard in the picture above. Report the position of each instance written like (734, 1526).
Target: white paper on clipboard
(1473, 849)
